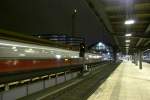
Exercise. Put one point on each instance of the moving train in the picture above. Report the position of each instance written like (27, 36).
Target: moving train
(17, 57)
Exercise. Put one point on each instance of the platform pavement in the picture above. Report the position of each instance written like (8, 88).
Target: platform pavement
(127, 82)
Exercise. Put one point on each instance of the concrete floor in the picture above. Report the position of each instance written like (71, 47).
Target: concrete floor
(127, 82)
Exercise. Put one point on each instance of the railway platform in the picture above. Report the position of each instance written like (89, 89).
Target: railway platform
(127, 82)
(77, 89)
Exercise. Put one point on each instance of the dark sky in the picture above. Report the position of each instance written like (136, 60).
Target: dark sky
(51, 16)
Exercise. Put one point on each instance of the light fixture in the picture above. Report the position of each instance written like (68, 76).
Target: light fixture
(66, 59)
(58, 56)
(100, 44)
(39, 36)
(74, 56)
(129, 22)
(127, 41)
(22, 55)
(14, 47)
(29, 50)
(128, 35)
(75, 10)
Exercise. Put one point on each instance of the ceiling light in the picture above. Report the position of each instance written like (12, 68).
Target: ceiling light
(39, 36)
(74, 57)
(127, 35)
(52, 51)
(129, 22)
(29, 50)
(66, 59)
(22, 55)
(58, 56)
(127, 41)
(100, 44)
(13, 47)
(75, 10)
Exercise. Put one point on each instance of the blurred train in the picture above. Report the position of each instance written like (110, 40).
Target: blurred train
(17, 57)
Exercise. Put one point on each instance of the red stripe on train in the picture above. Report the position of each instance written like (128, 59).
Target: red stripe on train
(25, 65)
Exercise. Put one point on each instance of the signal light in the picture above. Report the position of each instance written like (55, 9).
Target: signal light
(82, 49)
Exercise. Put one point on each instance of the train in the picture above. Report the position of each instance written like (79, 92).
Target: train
(18, 56)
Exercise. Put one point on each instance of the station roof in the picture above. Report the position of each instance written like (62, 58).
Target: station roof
(114, 13)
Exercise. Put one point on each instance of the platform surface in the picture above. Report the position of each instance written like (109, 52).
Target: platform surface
(127, 82)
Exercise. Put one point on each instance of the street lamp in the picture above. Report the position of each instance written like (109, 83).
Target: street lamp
(73, 20)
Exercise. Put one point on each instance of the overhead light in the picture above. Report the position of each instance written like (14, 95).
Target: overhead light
(129, 22)
(23, 81)
(58, 56)
(29, 50)
(39, 36)
(127, 41)
(52, 52)
(13, 47)
(2, 85)
(75, 10)
(129, 34)
(36, 78)
(44, 76)
(13, 83)
(66, 59)
(74, 56)
(22, 55)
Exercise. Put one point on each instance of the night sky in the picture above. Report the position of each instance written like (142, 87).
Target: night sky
(52, 16)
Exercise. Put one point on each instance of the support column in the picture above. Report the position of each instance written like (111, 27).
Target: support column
(6, 87)
(56, 79)
(84, 66)
(136, 59)
(27, 89)
(44, 83)
(114, 55)
(140, 59)
(133, 58)
(65, 76)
